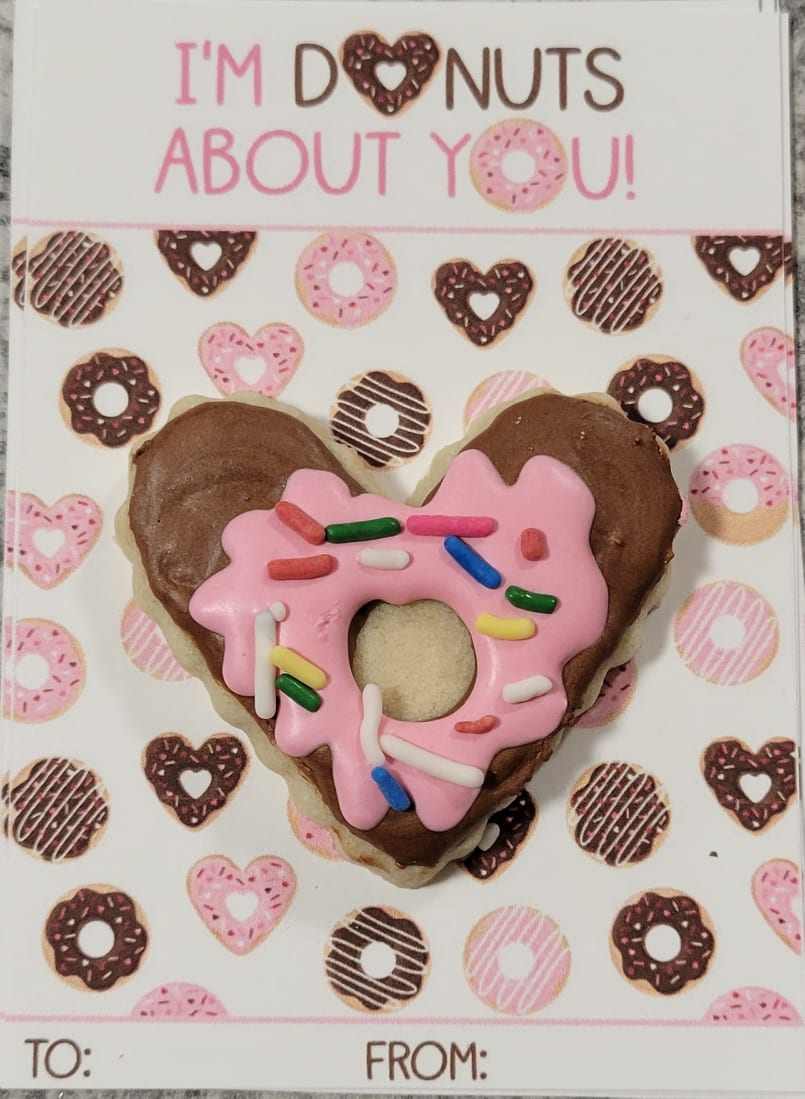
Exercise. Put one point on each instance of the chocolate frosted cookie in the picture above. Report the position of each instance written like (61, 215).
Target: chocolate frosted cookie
(744, 266)
(613, 285)
(618, 813)
(384, 417)
(510, 828)
(75, 918)
(194, 783)
(373, 65)
(56, 808)
(72, 278)
(645, 387)
(641, 951)
(137, 401)
(754, 787)
(482, 306)
(204, 259)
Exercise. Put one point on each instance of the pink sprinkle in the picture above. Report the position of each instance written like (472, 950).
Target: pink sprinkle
(464, 526)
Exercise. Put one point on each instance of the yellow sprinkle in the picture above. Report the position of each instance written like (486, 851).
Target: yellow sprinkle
(294, 664)
(508, 629)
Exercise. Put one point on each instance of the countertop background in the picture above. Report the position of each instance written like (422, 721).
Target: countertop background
(797, 10)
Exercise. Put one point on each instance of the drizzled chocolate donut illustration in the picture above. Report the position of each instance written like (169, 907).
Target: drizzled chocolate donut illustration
(72, 278)
(613, 285)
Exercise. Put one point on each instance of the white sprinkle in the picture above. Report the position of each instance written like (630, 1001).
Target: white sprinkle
(279, 611)
(265, 638)
(460, 774)
(384, 558)
(372, 713)
(525, 689)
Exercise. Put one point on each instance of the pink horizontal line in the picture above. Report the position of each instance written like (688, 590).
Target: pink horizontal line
(393, 1020)
(486, 230)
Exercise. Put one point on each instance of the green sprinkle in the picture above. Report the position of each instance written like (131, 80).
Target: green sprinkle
(363, 531)
(531, 600)
(297, 690)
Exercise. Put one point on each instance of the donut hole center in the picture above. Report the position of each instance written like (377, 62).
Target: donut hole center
(195, 783)
(518, 166)
(755, 786)
(785, 371)
(345, 279)
(382, 420)
(491, 833)
(744, 260)
(205, 254)
(727, 632)
(241, 905)
(110, 399)
(515, 961)
(654, 406)
(419, 654)
(378, 960)
(484, 304)
(31, 671)
(96, 939)
(663, 943)
(48, 541)
(390, 74)
(741, 496)
(250, 368)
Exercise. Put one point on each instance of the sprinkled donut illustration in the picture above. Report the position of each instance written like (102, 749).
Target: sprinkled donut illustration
(613, 285)
(755, 788)
(384, 417)
(663, 394)
(726, 633)
(740, 494)
(263, 363)
(518, 165)
(483, 306)
(194, 783)
(617, 690)
(754, 1006)
(744, 266)
(618, 813)
(49, 543)
(769, 358)
(179, 1003)
(241, 907)
(346, 278)
(43, 669)
(57, 808)
(137, 398)
(205, 260)
(506, 832)
(312, 835)
(777, 891)
(75, 918)
(364, 56)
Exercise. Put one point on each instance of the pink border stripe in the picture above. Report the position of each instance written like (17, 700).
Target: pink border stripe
(487, 230)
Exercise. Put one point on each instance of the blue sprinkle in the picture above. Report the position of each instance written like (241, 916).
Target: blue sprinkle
(391, 789)
(472, 562)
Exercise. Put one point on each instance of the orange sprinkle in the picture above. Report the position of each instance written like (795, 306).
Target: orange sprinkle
(300, 522)
(484, 724)
(301, 568)
(532, 544)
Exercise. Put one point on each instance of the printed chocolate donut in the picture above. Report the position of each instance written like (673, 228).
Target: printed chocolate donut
(194, 783)
(118, 370)
(744, 266)
(754, 787)
(661, 966)
(510, 827)
(613, 285)
(71, 278)
(739, 494)
(204, 259)
(616, 694)
(56, 808)
(618, 813)
(635, 387)
(19, 264)
(363, 54)
(376, 959)
(483, 306)
(384, 417)
(71, 920)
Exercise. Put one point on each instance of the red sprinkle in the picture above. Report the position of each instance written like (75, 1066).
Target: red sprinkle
(300, 522)
(532, 544)
(484, 724)
(463, 526)
(301, 568)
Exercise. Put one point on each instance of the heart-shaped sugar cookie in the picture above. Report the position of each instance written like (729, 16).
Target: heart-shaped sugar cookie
(262, 363)
(483, 306)
(389, 76)
(241, 907)
(48, 543)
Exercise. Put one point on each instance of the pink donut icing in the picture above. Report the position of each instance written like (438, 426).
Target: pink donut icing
(241, 907)
(711, 480)
(616, 694)
(311, 835)
(56, 689)
(745, 627)
(776, 889)
(518, 135)
(50, 541)
(499, 388)
(487, 970)
(179, 1003)
(756, 1006)
(145, 644)
(319, 612)
(226, 351)
(366, 303)
(769, 358)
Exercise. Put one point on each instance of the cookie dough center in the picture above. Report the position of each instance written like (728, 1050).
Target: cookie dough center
(110, 399)
(345, 279)
(741, 496)
(663, 943)
(95, 939)
(518, 166)
(727, 632)
(420, 655)
(655, 406)
(31, 671)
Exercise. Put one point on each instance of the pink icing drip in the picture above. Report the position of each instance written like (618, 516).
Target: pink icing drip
(547, 494)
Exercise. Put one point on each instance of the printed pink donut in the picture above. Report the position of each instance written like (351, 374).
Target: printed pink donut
(311, 835)
(145, 644)
(518, 136)
(364, 265)
(740, 494)
(499, 388)
(726, 633)
(756, 1006)
(776, 889)
(497, 964)
(769, 358)
(43, 669)
(179, 1003)
(616, 694)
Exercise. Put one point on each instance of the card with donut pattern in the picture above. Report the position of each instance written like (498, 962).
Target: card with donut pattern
(398, 228)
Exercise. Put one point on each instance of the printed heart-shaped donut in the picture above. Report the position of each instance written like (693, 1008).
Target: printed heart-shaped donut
(776, 889)
(204, 259)
(744, 266)
(241, 907)
(769, 357)
(389, 76)
(48, 543)
(520, 571)
(754, 787)
(262, 363)
(194, 783)
(482, 306)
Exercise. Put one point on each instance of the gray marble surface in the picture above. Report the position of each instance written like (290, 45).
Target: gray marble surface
(797, 9)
